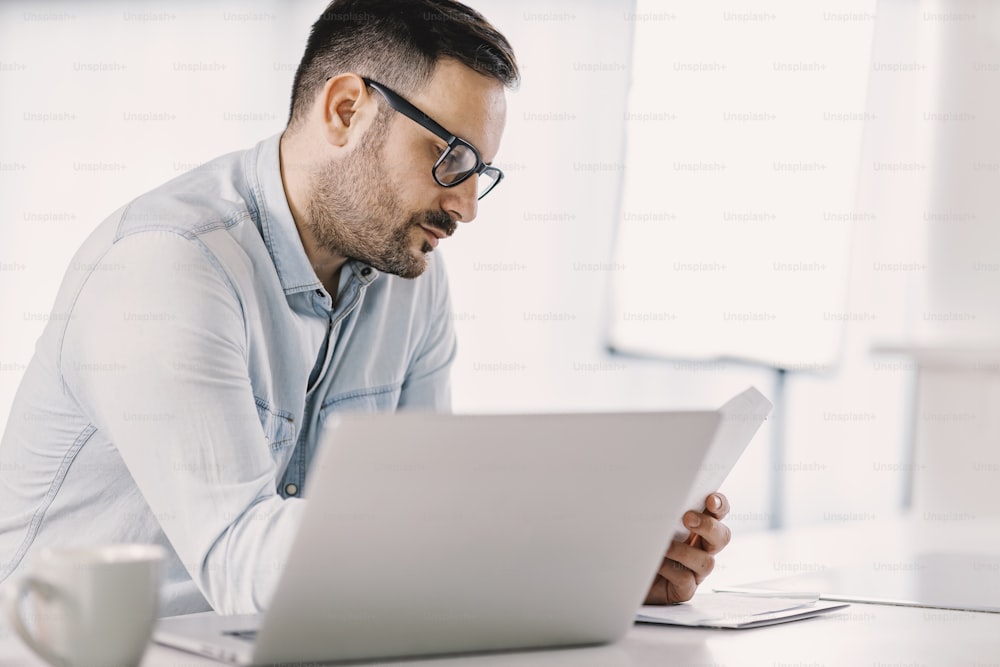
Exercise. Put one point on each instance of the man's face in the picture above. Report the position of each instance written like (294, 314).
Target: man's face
(380, 204)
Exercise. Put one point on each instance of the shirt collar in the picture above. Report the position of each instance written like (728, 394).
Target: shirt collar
(277, 225)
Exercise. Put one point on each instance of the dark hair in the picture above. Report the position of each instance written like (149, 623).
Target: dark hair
(398, 43)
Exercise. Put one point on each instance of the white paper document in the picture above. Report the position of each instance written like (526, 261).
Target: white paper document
(742, 416)
(732, 610)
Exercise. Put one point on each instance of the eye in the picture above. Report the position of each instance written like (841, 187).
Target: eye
(449, 161)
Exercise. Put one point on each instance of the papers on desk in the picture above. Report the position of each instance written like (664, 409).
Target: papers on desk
(736, 611)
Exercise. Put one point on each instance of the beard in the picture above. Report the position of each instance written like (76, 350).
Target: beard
(355, 213)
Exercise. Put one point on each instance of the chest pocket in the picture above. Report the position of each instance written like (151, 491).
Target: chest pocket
(365, 401)
(279, 429)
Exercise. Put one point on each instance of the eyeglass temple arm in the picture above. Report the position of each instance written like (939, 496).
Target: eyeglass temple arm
(413, 113)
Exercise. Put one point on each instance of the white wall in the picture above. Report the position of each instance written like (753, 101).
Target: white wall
(102, 101)
(743, 146)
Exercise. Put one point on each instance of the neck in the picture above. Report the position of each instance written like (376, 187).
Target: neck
(297, 165)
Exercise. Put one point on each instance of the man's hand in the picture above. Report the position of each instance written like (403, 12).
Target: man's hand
(686, 566)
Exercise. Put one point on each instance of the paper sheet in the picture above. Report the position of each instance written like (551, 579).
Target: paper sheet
(730, 610)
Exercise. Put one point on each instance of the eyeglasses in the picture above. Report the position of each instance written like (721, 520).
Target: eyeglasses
(459, 161)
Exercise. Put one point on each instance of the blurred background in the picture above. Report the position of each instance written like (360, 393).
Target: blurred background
(700, 196)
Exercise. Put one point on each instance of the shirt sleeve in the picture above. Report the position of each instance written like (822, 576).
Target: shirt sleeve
(427, 386)
(155, 353)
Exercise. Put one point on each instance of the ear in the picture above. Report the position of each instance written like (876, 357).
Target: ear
(348, 109)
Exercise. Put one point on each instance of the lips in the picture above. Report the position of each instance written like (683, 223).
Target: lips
(434, 235)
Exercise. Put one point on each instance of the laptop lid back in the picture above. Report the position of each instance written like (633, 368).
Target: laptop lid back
(433, 533)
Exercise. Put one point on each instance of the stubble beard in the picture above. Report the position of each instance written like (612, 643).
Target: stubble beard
(355, 213)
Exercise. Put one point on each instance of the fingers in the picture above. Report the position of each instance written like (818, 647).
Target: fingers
(664, 591)
(673, 583)
(688, 563)
(717, 505)
(696, 560)
(657, 592)
(680, 573)
(714, 534)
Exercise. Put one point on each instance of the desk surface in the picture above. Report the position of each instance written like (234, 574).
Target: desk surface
(860, 635)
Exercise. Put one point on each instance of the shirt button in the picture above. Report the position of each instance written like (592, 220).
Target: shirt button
(367, 271)
(319, 292)
(291, 489)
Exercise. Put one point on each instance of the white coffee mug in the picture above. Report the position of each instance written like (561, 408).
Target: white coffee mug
(92, 605)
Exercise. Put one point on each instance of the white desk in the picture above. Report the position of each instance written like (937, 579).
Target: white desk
(860, 635)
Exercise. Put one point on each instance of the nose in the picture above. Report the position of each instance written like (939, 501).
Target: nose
(462, 201)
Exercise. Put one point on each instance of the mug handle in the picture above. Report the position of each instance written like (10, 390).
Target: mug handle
(18, 590)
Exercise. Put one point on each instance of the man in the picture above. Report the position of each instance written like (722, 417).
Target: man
(207, 330)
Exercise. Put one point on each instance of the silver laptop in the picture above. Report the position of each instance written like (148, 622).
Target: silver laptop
(431, 534)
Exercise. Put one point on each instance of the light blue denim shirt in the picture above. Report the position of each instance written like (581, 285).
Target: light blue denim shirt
(181, 385)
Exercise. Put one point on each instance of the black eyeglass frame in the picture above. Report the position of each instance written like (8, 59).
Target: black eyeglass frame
(403, 106)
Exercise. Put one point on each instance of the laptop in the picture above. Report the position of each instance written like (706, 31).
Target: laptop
(433, 534)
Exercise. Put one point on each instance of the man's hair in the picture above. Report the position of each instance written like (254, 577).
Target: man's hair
(397, 43)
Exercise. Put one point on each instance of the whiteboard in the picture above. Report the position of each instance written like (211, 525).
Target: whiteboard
(743, 141)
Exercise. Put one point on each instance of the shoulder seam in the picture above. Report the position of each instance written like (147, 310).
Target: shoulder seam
(190, 234)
